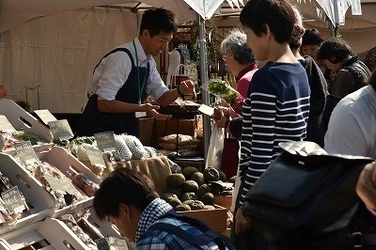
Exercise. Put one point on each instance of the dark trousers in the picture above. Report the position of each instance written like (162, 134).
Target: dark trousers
(248, 240)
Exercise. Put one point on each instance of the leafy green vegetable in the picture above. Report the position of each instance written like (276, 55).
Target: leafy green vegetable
(223, 90)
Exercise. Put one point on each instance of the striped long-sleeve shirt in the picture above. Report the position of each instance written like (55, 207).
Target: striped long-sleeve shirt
(276, 110)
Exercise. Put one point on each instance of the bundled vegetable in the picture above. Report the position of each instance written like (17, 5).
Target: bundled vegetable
(222, 89)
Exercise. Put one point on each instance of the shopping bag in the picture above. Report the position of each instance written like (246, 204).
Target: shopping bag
(214, 155)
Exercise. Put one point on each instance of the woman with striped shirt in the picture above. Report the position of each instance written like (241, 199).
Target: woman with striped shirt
(277, 105)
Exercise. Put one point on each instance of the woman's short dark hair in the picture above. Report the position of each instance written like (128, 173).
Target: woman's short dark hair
(158, 20)
(334, 49)
(123, 186)
(312, 37)
(277, 14)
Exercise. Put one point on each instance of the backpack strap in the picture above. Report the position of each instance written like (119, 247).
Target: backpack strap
(206, 237)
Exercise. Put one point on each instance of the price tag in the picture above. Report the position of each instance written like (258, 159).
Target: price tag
(207, 110)
(96, 157)
(105, 141)
(63, 184)
(2, 142)
(5, 125)
(109, 242)
(13, 200)
(45, 115)
(26, 153)
(60, 129)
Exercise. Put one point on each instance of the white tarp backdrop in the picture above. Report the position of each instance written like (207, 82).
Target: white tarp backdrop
(58, 51)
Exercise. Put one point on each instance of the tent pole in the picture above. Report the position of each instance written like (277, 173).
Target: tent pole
(204, 78)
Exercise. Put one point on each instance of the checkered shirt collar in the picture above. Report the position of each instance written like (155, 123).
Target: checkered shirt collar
(152, 212)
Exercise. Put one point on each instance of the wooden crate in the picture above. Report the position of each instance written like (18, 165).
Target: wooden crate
(216, 218)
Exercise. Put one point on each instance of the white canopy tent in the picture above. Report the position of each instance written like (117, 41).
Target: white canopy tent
(49, 48)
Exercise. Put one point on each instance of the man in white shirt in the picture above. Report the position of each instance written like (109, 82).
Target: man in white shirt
(127, 75)
(352, 125)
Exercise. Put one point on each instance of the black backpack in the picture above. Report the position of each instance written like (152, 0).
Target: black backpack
(205, 238)
(305, 195)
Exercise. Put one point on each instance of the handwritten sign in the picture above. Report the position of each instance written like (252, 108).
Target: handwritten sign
(13, 200)
(109, 242)
(5, 125)
(105, 141)
(26, 153)
(61, 129)
(45, 115)
(95, 157)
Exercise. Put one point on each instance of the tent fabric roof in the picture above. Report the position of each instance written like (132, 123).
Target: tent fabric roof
(16, 12)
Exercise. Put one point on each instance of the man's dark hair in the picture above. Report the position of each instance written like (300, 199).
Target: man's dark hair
(123, 186)
(334, 49)
(312, 37)
(277, 14)
(158, 20)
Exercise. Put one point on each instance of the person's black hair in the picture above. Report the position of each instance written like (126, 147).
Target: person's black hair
(123, 186)
(158, 20)
(312, 37)
(277, 14)
(334, 49)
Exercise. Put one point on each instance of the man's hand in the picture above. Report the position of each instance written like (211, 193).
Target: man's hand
(148, 107)
(241, 223)
(154, 113)
(187, 87)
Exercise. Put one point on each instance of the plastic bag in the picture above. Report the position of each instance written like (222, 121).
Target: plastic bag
(214, 156)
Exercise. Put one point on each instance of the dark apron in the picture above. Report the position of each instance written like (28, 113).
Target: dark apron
(93, 121)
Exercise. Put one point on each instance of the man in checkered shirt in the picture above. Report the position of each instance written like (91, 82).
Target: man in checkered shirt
(128, 200)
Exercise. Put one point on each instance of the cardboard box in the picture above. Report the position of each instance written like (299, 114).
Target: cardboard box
(39, 200)
(216, 219)
(146, 130)
(23, 120)
(223, 200)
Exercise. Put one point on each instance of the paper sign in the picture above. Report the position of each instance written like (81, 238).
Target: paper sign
(45, 115)
(5, 125)
(109, 243)
(60, 129)
(105, 141)
(207, 110)
(3, 141)
(13, 200)
(63, 184)
(26, 153)
(96, 157)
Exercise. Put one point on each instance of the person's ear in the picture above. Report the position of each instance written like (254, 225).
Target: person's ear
(267, 33)
(146, 33)
(124, 210)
